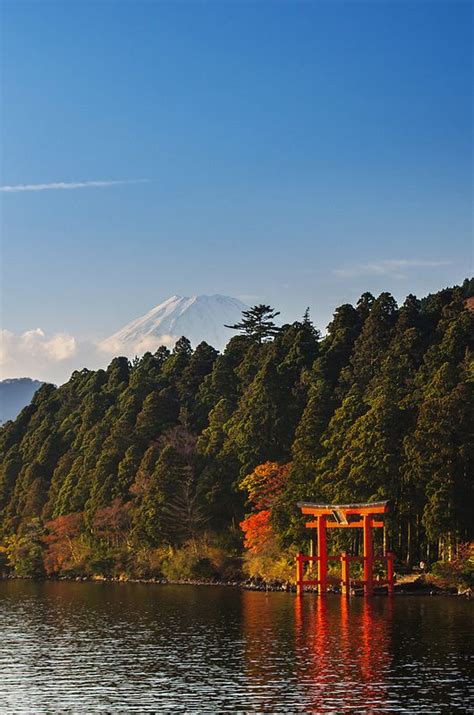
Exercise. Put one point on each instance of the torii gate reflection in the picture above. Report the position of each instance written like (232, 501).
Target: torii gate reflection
(316, 654)
(344, 516)
(343, 653)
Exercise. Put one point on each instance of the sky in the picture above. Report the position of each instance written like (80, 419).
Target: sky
(292, 153)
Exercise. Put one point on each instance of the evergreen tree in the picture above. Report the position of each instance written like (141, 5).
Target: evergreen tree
(257, 323)
(155, 488)
(262, 427)
(193, 415)
(440, 459)
(372, 341)
(468, 287)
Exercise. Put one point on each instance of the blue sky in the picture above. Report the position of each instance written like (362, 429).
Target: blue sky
(295, 153)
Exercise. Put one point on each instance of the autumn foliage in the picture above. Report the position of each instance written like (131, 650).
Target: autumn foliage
(111, 523)
(62, 542)
(264, 554)
(257, 529)
(265, 484)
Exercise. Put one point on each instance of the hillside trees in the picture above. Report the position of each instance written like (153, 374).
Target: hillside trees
(148, 456)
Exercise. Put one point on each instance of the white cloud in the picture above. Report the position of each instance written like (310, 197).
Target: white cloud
(386, 267)
(60, 185)
(53, 358)
(130, 348)
(32, 352)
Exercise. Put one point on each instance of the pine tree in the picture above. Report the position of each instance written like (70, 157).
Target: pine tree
(257, 323)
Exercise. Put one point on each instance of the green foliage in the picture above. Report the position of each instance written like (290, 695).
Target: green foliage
(24, 550)
(457, 573)
(468, 288)
(117, 469)
(208, 557)
(272, 563)
(257, 323)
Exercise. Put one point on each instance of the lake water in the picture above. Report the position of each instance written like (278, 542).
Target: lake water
(88, 647)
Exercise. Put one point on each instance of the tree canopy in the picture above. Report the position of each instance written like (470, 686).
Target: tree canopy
(112, 470)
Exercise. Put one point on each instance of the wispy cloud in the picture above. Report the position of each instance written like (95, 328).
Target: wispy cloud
(386, 267)
(51, 358)
(33, 351)
(65, 185)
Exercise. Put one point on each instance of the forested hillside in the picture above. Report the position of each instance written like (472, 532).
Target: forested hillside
(164, 465)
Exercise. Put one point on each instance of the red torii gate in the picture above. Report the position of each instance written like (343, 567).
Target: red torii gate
(343, 516)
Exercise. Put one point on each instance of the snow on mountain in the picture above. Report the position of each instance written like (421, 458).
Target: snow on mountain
(200, 317)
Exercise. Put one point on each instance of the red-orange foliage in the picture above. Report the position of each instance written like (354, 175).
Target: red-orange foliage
(112, 522)
(257, 529)
(265, 484)
(61, 536)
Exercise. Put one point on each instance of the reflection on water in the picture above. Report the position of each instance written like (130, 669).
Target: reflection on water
(349, 650)
(111, 647)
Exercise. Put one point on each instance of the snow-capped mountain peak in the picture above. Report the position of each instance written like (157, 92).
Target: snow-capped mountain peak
(198, 317)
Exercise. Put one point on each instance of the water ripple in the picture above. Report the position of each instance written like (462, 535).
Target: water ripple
(74, 648)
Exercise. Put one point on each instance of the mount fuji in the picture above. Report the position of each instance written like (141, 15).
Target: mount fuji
(199, 317)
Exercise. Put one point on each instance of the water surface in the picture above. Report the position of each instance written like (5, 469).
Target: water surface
(89, 647)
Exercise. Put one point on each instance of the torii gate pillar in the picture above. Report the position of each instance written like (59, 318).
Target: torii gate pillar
(368, 556)
(322, 556)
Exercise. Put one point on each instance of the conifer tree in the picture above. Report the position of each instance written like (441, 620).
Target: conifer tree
(193, 414)
(156, 488)
(257, 323)
(372, 342)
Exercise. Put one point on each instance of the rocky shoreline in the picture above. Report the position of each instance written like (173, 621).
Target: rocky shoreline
(413, 588)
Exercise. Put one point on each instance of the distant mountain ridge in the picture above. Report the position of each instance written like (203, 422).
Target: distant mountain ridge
(15, 394)
(198, 317)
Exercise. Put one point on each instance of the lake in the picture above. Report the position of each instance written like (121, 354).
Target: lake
(89, 647)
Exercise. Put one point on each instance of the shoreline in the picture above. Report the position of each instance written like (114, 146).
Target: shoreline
(404, 589)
